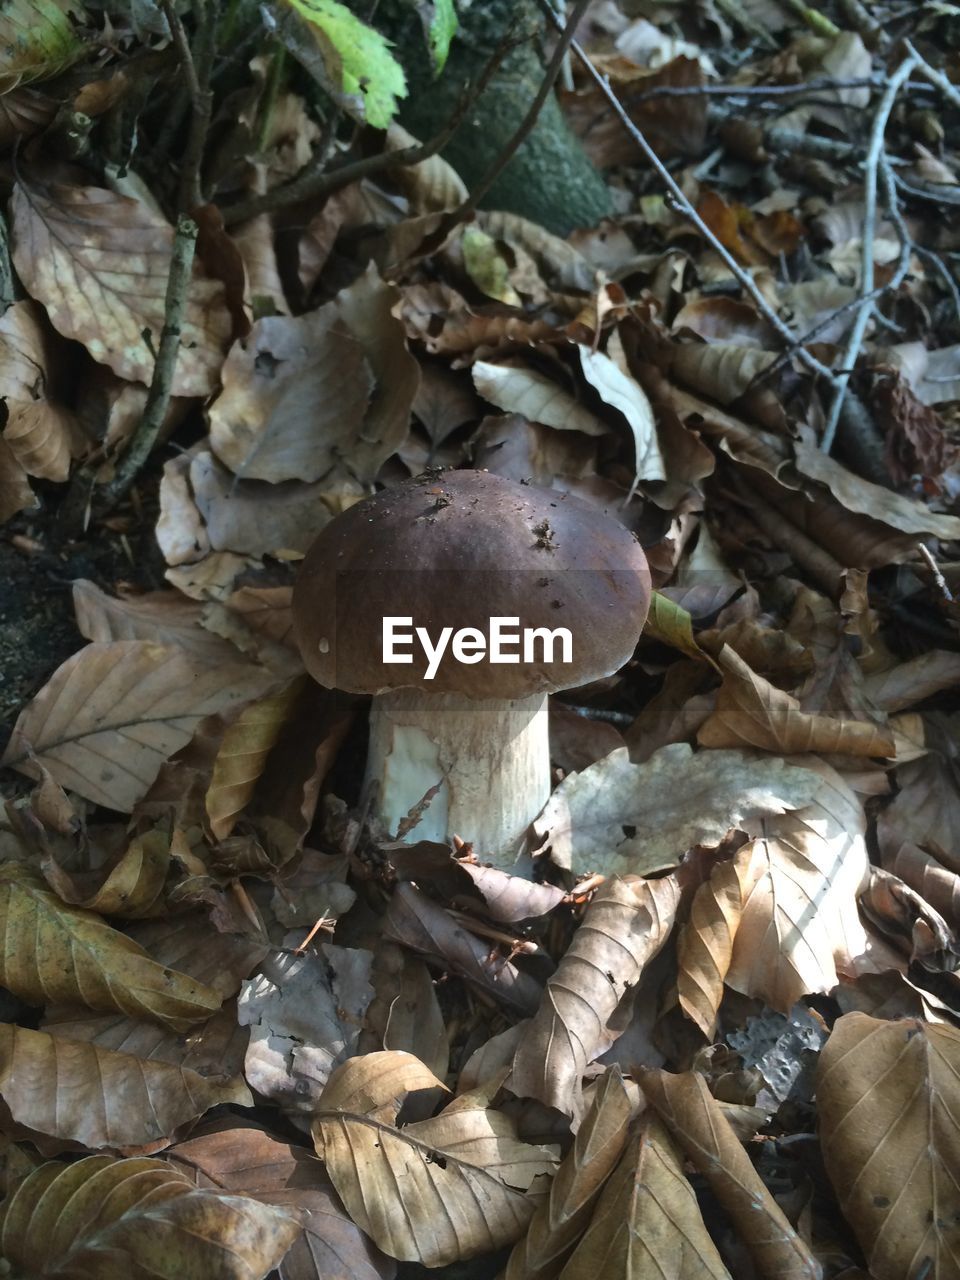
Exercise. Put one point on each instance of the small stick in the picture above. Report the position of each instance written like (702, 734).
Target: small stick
(938, 577)
(859, 327)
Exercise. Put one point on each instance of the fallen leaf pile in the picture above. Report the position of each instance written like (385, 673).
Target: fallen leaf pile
(717, 1033)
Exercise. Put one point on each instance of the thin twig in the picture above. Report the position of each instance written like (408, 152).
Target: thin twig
(938, 577)
(946, 87)
(161, 384)
(196, 72)
(859, 327)
(526, 125)
(682, 203)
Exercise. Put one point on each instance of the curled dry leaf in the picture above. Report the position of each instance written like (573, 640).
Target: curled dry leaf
(705, 947)
(129, 888)
(698, 1125)
(80, 1092)
(99, 262)
(15, 492)
(113, 713)
(889, 1102)
(647, 1221)
(623, 928)
(618, 818)
(137, 1219)
(623, 393)
(752, 712)
(243, 1159)
(43, 437)
(243, 754)
(558, 1224)
(799, 921)
(435, 1191)
(56, 953)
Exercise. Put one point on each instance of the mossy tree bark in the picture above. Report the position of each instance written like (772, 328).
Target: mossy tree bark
(550, 180)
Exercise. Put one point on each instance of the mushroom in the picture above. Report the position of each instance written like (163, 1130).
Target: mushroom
(460, 600)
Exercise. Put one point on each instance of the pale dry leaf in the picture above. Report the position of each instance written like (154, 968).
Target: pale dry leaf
(799, 923)
(24, 353)
(180, 531)
(295, 392)
(619, 817)
(752, 712)
(913, 681)
(137, 1219)
(304, 1013)
(164, 617)
(99, 263)
(647, 1221)
(529, 392)
(623, 928)
(79, 1092)
(889, 1100)
(58, 953)
(243, 1159)
(705, 947)
(212, 578)
(926, 809)
(699, 1127)
(922, 872)
(431, 186)
(559, 1222)
(623, 393)
(243, 755)
(113, 713)
(436, 1191)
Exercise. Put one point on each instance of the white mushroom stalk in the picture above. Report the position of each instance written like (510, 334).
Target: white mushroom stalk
(489, 762)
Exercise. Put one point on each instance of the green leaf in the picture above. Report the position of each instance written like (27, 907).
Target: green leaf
(38, 39)
(355, 64)
(670, 624)
(439, 19)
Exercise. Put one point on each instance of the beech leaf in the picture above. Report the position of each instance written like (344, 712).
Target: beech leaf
(113, 713)
(137, 1219)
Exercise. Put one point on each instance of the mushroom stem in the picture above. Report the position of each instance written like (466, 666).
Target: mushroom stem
(491, 760)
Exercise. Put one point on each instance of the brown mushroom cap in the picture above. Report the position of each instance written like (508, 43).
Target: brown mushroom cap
(454, 550)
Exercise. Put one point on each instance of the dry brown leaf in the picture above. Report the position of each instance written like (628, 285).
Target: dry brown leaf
(431, 186)
(939, 886)
(799, 923)
(623, 928)
(705, 946)
(57, 953)
(295, 392)
(243, 754)
(43, 437)
(435, 1191)
(926, 809)
(243, 1159)
(113, 713)
(617, 817)
(913, 681)
(164, 617)
(130, 887)
(137, 1219)
(405, 1013)
(860, 496)
(183, 942)
(720, 370)
(751, 712)
(889, 1100)
(647, 1221)
(439, 317)
(699, 1126)
(79, 1092)
(415, 921)
(559, 1222)
(98, 262)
